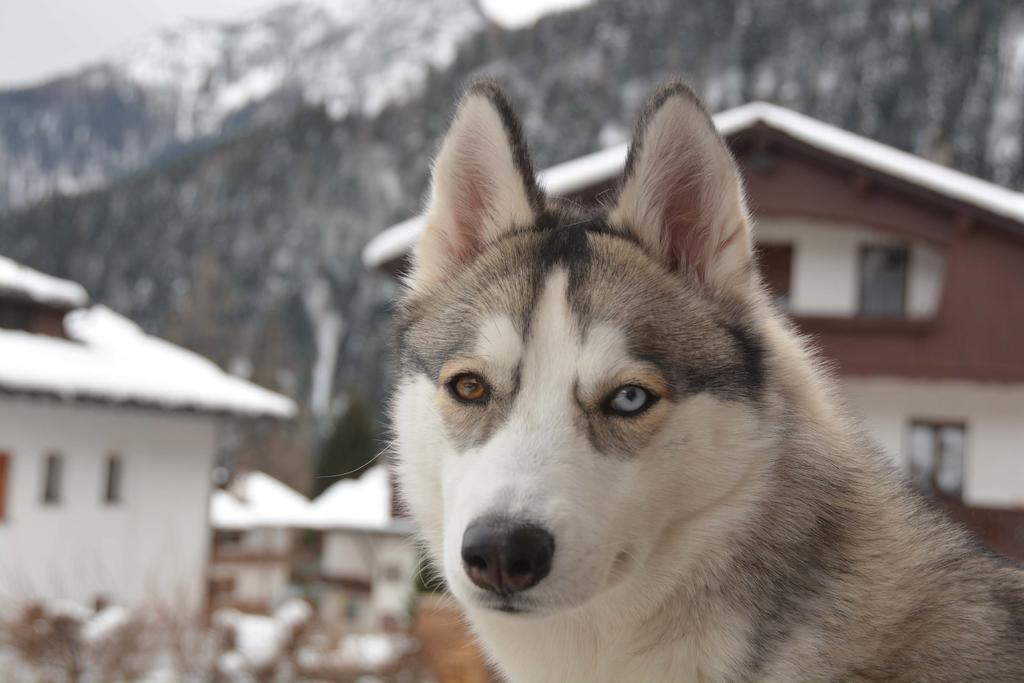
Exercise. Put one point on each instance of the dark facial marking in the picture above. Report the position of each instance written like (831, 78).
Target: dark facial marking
(696, 343)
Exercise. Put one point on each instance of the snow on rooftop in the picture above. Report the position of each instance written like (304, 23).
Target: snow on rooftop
(227, 513)
(109, 358)
(591, 169)
(26, 282)
(256, 499)
(363, 503)
(513, 14)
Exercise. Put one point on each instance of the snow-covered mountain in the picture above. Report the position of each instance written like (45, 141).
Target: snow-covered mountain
(247, 250)
(189, 84)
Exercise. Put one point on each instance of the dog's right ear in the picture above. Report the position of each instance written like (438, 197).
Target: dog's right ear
(483, 185)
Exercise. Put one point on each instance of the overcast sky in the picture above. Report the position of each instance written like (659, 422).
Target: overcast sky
(41, 38)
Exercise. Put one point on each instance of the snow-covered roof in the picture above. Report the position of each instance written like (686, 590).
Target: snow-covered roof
(522, 13)
(227, 513)
(361, 504)
(586, 171)
(109, 358)
(255, 499)
(24, 282)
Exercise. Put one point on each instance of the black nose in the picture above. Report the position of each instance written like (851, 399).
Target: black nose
(504, 557)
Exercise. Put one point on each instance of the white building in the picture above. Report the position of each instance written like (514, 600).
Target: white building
(908, 275)
(255, 522)
(107, 438)
(368, 561)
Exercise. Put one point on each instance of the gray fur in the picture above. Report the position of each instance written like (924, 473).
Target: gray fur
(845, 573)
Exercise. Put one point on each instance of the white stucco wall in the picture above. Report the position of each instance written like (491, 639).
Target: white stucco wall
(257, 564)
(151, 546)
(387, 561)
(263, 584)
(993, 414)
(347, 554)
(392, 590)
(826, 262)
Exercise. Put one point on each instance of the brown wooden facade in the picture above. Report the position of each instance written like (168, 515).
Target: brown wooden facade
(978, 331)
(20, 313)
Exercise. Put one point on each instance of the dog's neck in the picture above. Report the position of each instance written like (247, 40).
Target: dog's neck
(662, 623)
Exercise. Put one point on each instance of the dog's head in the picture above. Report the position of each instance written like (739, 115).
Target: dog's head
(575, 384)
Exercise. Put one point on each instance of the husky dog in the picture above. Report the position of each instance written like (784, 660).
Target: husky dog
(625, 463)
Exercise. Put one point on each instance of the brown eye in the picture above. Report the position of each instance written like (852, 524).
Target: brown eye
(468, 388)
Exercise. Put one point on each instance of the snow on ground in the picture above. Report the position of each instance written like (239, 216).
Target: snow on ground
(260, 640)
(607, 164)
(360, 651)
(105, 624)
(109, 358)
(513, 14)
(328, 327)
(29, 283)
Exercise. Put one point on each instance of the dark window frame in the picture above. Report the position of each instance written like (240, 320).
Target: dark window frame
(15, 315)
(53, 478)
(936, 427)
(5, 482)
(769, 256)
(113, 479)
(867, 249)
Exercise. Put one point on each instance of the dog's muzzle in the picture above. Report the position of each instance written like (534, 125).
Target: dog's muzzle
(506, 557)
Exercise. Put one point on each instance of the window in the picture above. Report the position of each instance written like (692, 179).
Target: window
(52, 475)
(5, 468)
(776, 262)
(14, 315)
(392, 573)
(937, 458)
(883, 281)
(112, 487)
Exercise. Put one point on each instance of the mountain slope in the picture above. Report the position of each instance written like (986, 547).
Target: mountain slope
(248, 251)
(193, 83)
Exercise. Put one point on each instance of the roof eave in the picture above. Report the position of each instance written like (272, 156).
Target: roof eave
(1006, 208)
(179, 408)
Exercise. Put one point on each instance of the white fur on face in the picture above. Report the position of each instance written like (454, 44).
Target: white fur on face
(607, 513)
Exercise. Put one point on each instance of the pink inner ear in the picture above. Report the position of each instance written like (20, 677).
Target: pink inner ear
(692, 239)
(685, 227)
(471, 208)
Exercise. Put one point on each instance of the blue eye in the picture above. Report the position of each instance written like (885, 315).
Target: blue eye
(629, 400)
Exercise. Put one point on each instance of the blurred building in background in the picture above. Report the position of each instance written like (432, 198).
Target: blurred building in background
(256, 520)
(368, 562)
(365, 560)
(107, 439)
(906, 274)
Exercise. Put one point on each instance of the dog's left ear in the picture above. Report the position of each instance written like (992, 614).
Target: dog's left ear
(682, 195)
(483, 185)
